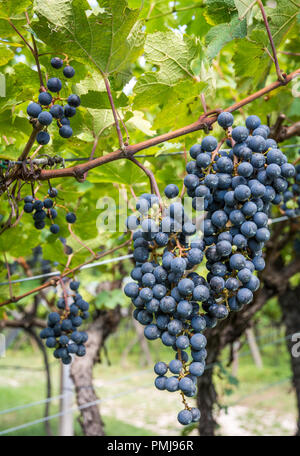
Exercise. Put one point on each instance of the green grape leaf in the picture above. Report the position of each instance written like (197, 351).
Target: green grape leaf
(11, 9)
(251, 55)
(282, 18)
(222, 34)
(244, 7)
(5, 54)
(219, 11)
(99, 100)
(172, 53)
(110, 38)
(120, 173)
(138, 121)
(54, 251)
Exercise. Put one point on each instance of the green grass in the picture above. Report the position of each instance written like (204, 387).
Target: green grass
(130, 399)
(113, 427)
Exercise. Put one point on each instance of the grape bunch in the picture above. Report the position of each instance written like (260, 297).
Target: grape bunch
(166, 291)
(62, 332)
(48, 109)
(291, 197)
(41, 210)
(238, 188)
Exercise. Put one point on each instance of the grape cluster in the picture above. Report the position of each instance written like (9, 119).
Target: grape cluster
(166, 291)
(41, 210)
(62, 332)
(238, 188)
(291, 197)
(48, 109)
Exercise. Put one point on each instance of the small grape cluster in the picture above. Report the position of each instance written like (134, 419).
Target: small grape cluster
(47, 108)
(62, 332)
(166, 291)
(291, 197)
(41, 210)
(238, 188)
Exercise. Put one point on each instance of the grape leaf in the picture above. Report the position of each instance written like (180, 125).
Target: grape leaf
(222, 34)
(249, 56)
(99, 100)
(244, 7)
(219, 11)
(172, 53)
(109, 39)
(11, 9)
(282, 18)
(5, 55)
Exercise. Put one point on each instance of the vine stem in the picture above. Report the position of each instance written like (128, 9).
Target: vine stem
(204, 121)
(294, 54)
(8, 275)
(96, 140)
(55, 280)
(35, 54)
(114, 111)
(79, 241)
(202, 96)
(278, 71)
(21, 36)
(148, 172)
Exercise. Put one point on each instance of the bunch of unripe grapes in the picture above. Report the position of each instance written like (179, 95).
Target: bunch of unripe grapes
(62, 332)
(172, 300)
(48, 107)
(42, 210)
(291, 197)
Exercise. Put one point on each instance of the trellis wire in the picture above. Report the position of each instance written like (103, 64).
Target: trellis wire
(124, 393)
(137, 373)
(112, 260)
(57, 273)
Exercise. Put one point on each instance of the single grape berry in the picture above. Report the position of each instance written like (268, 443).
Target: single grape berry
(54, 228)
(57, 111)
(54, 84)
(52, 192)
(33, 110)
(48, 203)
(225, 119)
(45, 98)
(65, 131)
(43, 137)
(253, 122)
(171, 191)
(68, 71)
(56, 62)
(28, 208)
(71, 217)
(69, 111)
(185, 417)
(45, 118)
(74, 285)
(74, 100)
